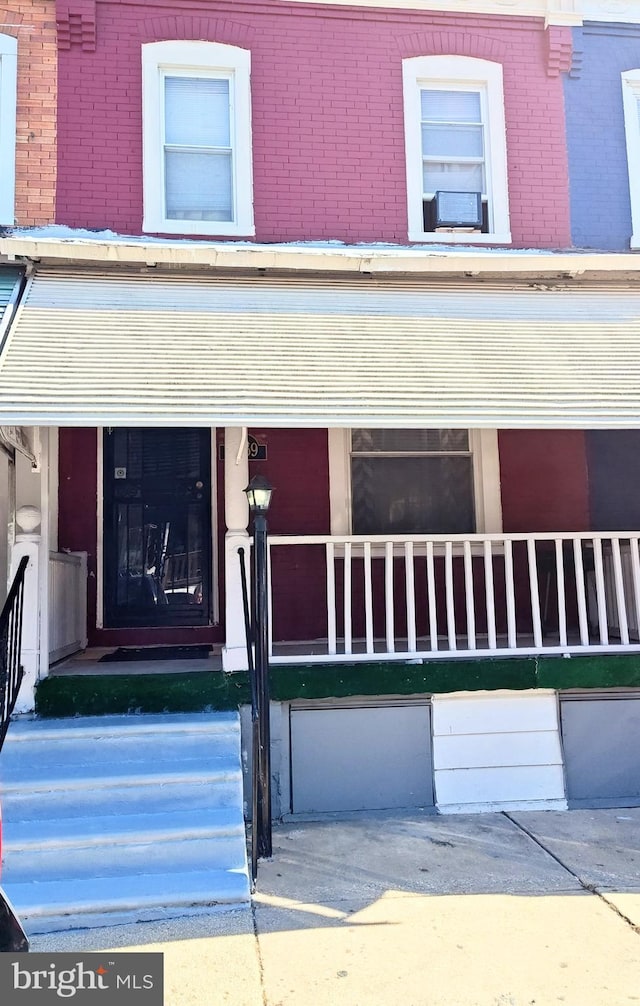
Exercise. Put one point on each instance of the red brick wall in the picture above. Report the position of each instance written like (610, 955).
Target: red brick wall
(298, 467)
(544, 488)
(34, 26)
(78, 531)
(544, 480)
(328, 139)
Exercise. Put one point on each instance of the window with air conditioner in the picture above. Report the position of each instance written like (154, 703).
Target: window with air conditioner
(456, 158)
(197, 139)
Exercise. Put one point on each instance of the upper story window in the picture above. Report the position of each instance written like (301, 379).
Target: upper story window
(8, 76)
(456, 156)
(397, 481)
(631, 106)
(197, 139)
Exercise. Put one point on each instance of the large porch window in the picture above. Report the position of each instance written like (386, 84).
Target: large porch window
(414, 481)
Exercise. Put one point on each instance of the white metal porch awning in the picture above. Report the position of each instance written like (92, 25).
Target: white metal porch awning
(168, 350)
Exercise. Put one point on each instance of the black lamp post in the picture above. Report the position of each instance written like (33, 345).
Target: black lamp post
(259, 496)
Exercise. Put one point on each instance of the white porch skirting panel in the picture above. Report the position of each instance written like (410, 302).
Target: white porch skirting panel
(497, 751)
(103, 348)
(67, 604)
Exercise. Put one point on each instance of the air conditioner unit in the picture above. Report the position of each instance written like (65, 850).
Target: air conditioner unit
(458, 211)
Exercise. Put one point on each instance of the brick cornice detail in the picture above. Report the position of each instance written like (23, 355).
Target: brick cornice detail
(453, 43)
(559, 50)
(196, 29)
(76, 22)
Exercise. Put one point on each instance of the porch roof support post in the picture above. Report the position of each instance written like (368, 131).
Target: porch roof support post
(236, 512)
(29, 544)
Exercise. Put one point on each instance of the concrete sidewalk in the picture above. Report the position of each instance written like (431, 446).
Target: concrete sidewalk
(409, 910)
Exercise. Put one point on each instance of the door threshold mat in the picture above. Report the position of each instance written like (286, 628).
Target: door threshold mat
(126, 653)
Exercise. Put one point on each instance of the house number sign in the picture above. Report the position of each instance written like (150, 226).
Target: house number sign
(256, 451)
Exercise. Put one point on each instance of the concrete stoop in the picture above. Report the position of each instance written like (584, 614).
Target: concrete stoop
(120, 819)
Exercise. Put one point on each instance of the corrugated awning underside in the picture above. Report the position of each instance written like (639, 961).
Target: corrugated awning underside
(114, 349)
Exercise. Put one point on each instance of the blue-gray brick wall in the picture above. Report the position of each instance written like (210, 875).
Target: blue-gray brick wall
(598, 176)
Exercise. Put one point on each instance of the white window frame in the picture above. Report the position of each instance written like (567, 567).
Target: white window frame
(483, 445)
(8, 97)
(630, 100)
(468, 73)
(212, 59)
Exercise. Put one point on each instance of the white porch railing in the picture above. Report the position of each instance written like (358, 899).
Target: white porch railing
(364, 597)
(67, 604)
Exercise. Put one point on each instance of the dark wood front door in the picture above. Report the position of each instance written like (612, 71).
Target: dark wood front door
(157, 527)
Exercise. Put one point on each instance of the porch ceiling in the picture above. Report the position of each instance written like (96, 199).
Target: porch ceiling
(140, 349)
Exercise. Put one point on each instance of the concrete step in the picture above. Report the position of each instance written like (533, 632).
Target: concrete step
(56, 905)
(75, 747)
(101, 846)
(128, 804)
(27, 729)
(176, 792)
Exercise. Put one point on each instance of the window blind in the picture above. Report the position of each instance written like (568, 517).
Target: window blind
(198, 156)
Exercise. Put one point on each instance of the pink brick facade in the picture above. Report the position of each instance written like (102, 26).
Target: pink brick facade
(327, 107)
(33, 24)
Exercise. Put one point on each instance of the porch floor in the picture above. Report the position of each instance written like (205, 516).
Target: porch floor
(481, 648)
(88, 662)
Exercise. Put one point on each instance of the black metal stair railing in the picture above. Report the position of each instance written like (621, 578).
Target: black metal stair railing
(256, 629)
(11, 669)
(255, 723)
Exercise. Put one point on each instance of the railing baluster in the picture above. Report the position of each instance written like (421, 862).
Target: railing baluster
(469, 596)
(492, 639)
(621, 600)
(635, 573)
(533, 592)
(562, 604)
(11, 669)
(331, 598)
(581, 596)
(410, 595)
(389, 618)
(595, 564)
(448, 587)
(601, 598)
(368, 597)
(269, 602)
(512, 637)
(4, 684)
(348, 641)
(431, 594)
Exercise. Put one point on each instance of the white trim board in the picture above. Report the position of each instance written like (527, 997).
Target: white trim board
(497, 751)
(8, 99)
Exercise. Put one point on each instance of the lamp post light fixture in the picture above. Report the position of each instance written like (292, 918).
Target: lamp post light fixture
(259, 497)
(259, 494)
